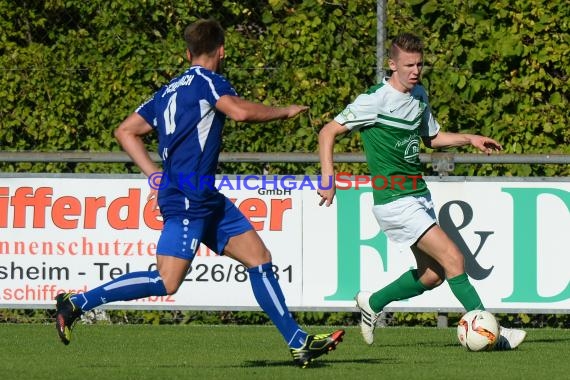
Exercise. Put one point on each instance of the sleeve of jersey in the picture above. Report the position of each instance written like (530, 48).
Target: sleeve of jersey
(361, 113)
(146, 110)
(218, 86)
(430, 127)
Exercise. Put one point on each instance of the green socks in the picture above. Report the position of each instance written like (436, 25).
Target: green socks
(465, 292)
(406, 286)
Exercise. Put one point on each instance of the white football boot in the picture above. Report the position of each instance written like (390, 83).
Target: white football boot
(368, 317)
(509, 339)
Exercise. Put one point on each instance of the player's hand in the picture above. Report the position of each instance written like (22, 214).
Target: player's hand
(326, 190)
(485, 144)
(327, 196)
(294, 109)
(153, 198)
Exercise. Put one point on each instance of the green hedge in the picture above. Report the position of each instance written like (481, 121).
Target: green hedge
(72, 70)
(259, 318)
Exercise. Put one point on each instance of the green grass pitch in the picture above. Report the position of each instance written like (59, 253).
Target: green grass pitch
(33, 351)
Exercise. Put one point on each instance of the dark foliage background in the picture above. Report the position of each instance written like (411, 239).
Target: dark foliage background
(70, 71)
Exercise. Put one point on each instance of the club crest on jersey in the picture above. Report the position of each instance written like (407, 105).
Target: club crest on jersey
(412, 151)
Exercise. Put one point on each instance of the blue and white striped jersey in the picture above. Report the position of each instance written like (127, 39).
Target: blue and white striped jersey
(190, 135)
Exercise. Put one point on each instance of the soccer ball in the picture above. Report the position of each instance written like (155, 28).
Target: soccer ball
(478, 330)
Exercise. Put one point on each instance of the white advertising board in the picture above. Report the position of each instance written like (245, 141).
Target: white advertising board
(511, 234)
(72, 233)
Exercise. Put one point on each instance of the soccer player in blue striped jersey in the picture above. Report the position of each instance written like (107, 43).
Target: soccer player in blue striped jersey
(392, 118)
(188, 115)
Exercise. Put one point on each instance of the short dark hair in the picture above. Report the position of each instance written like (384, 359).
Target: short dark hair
(204, 37)
(407, 42)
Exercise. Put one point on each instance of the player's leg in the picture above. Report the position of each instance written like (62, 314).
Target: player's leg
(436, 244)
(249, 249)
(426, 276)
(429, 272)
(134, 285)
(371, 304)
(410, 284)
(165, 280)
(404, 221)
(236, 239)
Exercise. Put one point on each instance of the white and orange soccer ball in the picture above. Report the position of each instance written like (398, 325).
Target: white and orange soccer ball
(478, 330)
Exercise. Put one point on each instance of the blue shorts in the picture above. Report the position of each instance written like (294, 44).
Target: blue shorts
(181, 236)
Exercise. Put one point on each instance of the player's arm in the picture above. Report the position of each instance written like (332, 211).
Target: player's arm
(129, 134)
(327, 138)
(239, 109)
(449, 139)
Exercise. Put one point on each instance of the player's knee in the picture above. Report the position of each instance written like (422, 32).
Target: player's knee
(431, 280)
(171, 288)
(171, 284)
(260, 257)
(266, 255)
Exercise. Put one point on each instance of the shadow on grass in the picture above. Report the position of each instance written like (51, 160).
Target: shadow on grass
(316, 364)
(527, 341)
(543, 340)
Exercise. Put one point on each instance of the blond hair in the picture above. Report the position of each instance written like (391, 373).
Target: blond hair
(407, 42)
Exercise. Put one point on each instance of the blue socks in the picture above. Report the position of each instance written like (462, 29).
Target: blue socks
(271, 299)
(144, 284)
(128, 287)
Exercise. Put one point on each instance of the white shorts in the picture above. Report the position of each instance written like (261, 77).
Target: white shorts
(406, 219)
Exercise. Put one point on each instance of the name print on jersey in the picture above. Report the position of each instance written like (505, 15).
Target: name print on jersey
(185, 80)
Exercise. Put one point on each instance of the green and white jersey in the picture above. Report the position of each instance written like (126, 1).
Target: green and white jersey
(391, 124)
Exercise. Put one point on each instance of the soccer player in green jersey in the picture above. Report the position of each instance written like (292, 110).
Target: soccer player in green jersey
(392, 117)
